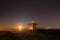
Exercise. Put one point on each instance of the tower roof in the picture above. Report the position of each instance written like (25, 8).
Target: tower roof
(32, 22)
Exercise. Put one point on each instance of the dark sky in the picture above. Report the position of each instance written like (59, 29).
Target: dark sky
(44, 12)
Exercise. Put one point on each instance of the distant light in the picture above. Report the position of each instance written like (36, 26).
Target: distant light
(33, 22)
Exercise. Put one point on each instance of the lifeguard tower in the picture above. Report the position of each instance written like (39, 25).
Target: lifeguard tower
(32, 26)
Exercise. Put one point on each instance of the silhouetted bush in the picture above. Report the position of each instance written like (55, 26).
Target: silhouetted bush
(6, 35)
(49, 31)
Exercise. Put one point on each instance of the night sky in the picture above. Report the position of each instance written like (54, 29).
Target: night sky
(44, 12)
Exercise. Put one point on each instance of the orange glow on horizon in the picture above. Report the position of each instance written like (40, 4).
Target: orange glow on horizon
(20, 28)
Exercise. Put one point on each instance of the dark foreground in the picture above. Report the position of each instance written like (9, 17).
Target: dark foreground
(39, 35)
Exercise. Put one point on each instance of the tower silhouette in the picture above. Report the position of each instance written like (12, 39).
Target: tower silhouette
(33, 26)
